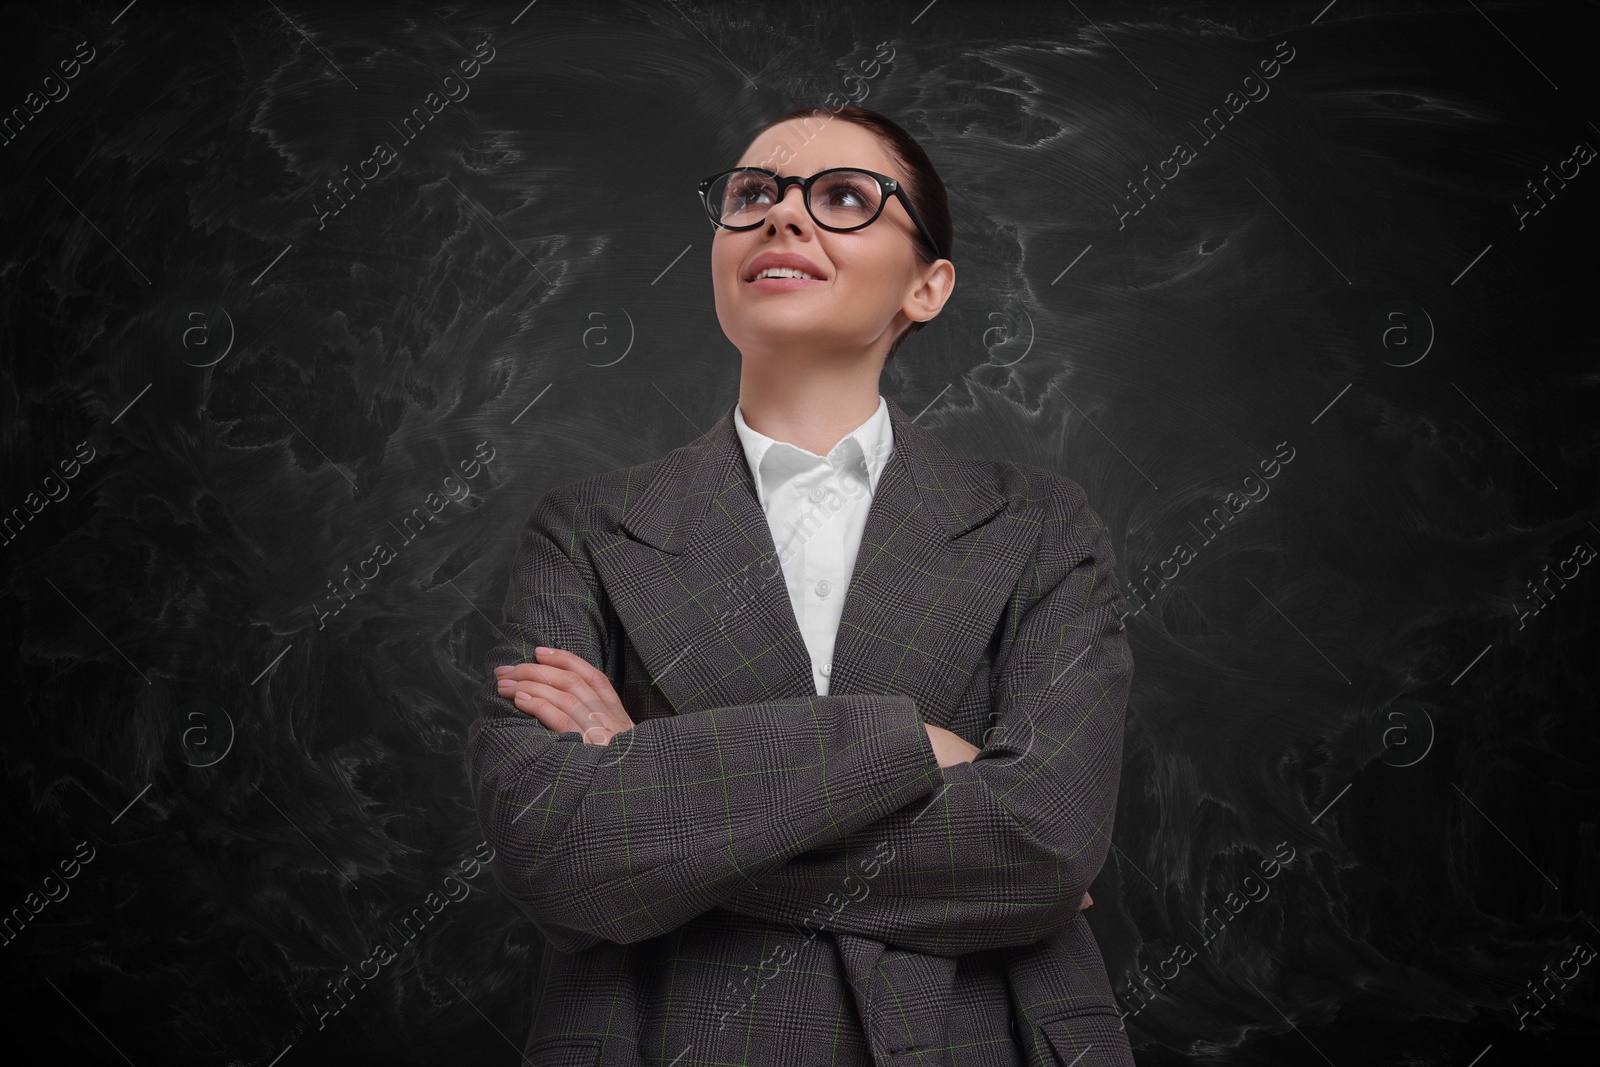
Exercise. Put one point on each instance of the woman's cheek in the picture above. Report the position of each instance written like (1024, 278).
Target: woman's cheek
(724, 261)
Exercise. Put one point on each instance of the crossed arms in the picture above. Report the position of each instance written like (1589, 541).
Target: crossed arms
(767, 808)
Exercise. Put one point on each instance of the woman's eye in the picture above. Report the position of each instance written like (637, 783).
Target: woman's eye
(846, 196)
(849, 194)
(750, 192)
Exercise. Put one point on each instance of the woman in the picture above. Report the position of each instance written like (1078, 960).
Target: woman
(804, 741)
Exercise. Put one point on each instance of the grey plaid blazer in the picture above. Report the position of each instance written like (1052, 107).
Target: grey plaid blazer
(755, 874)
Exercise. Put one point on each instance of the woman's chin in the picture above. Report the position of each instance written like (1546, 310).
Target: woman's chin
(808, 331)
(790, 327)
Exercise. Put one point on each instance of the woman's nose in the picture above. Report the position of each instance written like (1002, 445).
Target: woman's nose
(788, 209)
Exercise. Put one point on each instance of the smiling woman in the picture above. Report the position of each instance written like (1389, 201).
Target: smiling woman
(880, 177)
(940, 678)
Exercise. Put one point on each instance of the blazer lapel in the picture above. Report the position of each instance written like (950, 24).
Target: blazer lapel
(698, 587)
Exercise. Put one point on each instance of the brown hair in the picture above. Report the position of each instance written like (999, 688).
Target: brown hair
(922, 184)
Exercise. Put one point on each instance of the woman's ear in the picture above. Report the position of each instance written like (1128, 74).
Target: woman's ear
(936, 281)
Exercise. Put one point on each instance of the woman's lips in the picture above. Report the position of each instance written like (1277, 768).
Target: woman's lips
(779, 285)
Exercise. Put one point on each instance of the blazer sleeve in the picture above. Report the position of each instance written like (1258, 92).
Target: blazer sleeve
(630, 840)
(1002, 854)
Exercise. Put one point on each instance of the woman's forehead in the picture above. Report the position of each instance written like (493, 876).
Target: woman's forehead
(805, 147)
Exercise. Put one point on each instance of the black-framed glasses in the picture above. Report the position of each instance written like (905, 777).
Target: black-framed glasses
(840, 199)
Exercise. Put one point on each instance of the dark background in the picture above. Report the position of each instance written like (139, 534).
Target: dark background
(1351, 667)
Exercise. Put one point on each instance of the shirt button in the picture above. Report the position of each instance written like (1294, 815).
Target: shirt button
(817, 494)
(825, 670)
(823, 587)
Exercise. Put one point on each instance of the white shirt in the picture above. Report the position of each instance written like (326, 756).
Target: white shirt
(816, 508)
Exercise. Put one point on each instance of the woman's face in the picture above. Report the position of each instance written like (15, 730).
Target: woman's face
(871, 280)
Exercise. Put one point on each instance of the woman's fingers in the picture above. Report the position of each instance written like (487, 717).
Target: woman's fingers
(592, 677)
(524, 677)
(949, 748)
(570, 673)
(560, 712)
(559, 709)
(562, 699)
(558, 657)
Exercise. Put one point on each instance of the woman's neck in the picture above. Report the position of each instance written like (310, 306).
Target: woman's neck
(812, 411)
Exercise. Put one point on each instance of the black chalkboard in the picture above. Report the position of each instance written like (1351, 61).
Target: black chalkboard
(1295, 292)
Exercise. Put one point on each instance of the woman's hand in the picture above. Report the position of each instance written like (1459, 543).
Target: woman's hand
(948, 748)
(566, 693)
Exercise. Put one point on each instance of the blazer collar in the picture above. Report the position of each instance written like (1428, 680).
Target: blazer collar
(694, 578)
(688, 481)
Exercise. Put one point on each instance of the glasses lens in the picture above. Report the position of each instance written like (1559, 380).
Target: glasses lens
(743, 197)
(844, 199)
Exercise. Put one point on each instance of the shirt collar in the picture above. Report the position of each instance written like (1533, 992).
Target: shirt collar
(774, 462)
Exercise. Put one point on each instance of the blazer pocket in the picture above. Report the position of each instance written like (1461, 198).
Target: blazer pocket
(564, 1052)
(1091, 1038)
